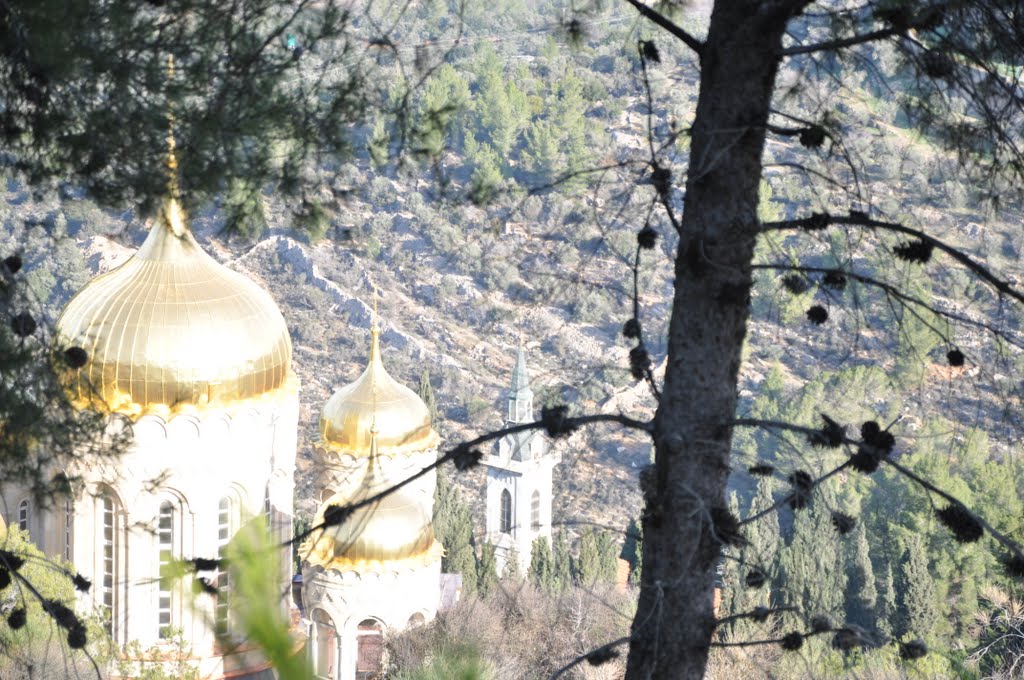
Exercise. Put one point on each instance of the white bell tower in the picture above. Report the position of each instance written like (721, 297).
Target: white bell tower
(519, 471)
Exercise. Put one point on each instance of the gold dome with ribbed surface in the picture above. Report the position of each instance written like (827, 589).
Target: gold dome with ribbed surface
(401, 417)
(172, 328)
(392, 533)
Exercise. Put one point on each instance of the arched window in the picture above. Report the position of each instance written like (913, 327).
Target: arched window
(535, 511)
(25, 516)
(416, 620)
(109, 545)
(326, 645)
(165, 540)
(369, 650)
(224, 527)
(505, 517)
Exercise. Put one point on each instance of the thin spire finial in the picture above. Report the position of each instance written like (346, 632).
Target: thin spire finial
(172, 158)
(374, 358)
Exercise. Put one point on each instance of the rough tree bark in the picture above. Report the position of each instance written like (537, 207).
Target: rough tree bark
(674, 622)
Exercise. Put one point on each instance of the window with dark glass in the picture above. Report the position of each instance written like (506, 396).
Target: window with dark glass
(506, 512)
(165, 536)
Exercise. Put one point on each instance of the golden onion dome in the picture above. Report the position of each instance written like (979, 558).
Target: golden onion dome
(391, 533)
(173, 328)
(401, 417)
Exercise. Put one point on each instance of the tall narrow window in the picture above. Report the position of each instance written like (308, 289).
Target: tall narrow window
(369, 650)
(223, 578)
(109, 553)
(268, 512)
(506, 512)
(165, 538)
(326, 645)
(69, 527)
(535, 511)
(24, 515)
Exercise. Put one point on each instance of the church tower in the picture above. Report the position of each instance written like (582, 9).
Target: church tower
(194, 359)
(519, 471)
(380, 569)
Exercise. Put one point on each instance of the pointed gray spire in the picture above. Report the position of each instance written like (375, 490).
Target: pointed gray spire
(520, 397)
(520, 378)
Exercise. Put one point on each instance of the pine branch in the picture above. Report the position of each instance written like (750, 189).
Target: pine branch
(840, 43)
(902, 297)
(822, 220)
(467, 454)
(594, 657)
(674, 29)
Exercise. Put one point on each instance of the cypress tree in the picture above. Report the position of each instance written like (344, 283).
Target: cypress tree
(487, 570)
(561, 563)
(762, 551)
(918, 612)
(729, 575)
(542, 572)
(633, 551)
(813, 576)
(588, 568)
(608, 556)
(426, 393)
(887, 606)
(511, 572)
(861, 595)
(453, 527)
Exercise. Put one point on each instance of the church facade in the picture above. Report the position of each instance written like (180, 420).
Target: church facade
(379, 569)
(195, 361)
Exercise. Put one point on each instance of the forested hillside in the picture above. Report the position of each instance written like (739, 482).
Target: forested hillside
(502, 211)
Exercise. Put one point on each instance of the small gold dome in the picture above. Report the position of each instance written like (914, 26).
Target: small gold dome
(391, 533)
(402, 419)
(173, 328)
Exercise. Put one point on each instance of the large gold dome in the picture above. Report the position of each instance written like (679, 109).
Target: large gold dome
(173, 328)
(390, 533)
(401, 417)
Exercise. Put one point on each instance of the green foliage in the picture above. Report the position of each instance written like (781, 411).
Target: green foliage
(256, 600)
(888, 609)
(861, 592)
(172, 660)
(633, 551)
(542, 572)
(237, 110)
(486, 179)
(512, 571)
(561, 562)
(917, 613)
(733, 599)
(49, 579)
(313, 220)
(449, 663)
(301, 523)
(487, 570)
(41, 431)
(763, 535)
(453, 527)
(426, 393)
(246, 209)
(814, 576)
(597, 561)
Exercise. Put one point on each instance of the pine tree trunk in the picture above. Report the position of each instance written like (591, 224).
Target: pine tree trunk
(674, 622)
